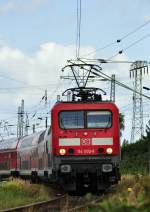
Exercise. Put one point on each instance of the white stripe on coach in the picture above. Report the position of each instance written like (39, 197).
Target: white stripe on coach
(102, 141)
(69, 141)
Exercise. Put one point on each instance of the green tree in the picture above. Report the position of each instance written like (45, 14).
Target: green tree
(125, 143)
(121, 122)
(148, 130)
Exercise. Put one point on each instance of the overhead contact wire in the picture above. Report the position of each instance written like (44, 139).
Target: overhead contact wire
(137, 29)
(101, 74)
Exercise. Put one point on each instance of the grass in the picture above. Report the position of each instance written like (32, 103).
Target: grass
(18, 192)
(131, 195)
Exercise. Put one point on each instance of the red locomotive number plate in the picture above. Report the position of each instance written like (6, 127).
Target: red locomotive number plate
(85, 141)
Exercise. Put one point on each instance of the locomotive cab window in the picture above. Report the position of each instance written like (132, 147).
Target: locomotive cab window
(99, 119)
(71, 119)
(85, 119)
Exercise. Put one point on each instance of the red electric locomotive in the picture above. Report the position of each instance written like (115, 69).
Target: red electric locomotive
(85, 141)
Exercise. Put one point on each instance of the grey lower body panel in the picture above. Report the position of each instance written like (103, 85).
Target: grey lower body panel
(95, 173)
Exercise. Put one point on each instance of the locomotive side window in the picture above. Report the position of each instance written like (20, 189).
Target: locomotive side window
(99, 119)
(71, 119)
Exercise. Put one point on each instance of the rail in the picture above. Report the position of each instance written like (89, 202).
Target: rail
(85, 207)
(64, 203)
(50, 205)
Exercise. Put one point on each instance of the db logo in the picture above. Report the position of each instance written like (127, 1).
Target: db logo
(85, 142)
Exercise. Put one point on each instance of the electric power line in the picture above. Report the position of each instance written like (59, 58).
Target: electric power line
(132, 44)
(101, 74)
(118, 40)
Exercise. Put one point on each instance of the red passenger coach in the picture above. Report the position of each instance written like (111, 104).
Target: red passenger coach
(8, 157)
(34, 155)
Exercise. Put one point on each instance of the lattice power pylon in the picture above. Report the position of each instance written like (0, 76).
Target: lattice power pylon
(20, 124)
(137, 70)
(112, 90)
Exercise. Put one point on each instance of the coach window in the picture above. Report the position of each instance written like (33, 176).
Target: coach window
(99, 119)
(71, 119)
(49, 130)
(26, 142)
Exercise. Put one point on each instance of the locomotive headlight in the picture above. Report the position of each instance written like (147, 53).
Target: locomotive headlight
(107, 167)
(109, 150)
(62, 151)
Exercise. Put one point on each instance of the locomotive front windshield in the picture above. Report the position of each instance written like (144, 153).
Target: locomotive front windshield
(85, 119)
(98, 119)
(71, 119)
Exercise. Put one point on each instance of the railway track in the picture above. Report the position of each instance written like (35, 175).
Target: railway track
(51, 205)
(83, 205)
(64, 203)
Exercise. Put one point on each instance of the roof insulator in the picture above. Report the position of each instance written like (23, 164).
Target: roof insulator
(119, 40)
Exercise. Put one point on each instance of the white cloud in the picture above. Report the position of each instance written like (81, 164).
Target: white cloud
(44, 68)
(147, 18)
(36, 73)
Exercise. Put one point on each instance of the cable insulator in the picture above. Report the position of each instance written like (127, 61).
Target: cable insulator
(119, 40)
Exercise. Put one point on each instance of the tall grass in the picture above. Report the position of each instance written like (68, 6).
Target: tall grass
(18, 192)
(131, 195)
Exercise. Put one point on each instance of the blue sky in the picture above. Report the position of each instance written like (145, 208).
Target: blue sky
(27, 24)
(38, 36)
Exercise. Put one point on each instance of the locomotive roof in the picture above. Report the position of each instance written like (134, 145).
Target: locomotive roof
(86, 102)
(8, 144)
(106, 103)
